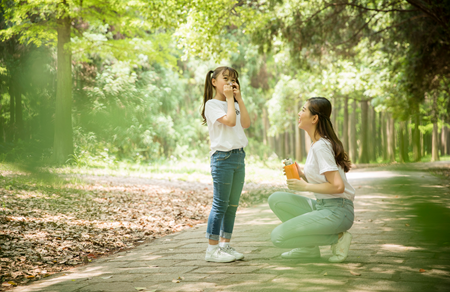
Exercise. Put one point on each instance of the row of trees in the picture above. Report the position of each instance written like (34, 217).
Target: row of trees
(124, 81)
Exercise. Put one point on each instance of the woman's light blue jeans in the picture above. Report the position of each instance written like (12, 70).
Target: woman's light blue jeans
(308, 222)
(228, 173)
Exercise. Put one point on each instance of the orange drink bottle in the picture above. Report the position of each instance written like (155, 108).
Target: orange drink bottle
(290, 169)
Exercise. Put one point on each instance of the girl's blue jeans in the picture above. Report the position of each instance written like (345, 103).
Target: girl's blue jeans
(228, 173)
(308, 222)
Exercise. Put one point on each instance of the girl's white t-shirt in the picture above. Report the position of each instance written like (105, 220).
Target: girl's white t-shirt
(223, 138)
(320, 160)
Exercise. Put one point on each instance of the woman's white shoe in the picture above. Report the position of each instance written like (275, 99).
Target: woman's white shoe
(302, 253)
(218, 255)
(340, 250)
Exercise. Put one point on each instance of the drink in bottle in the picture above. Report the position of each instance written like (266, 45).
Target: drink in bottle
(290, 169)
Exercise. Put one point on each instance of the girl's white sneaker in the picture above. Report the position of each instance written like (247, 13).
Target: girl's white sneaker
(228, 249)
(218, 255)
(341, 248)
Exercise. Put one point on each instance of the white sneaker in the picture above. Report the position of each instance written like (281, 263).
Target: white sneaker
(341, 248)
(302, 252)
(219, 256)
(228, 249)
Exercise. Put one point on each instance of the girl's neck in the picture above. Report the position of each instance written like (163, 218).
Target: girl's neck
(220, 97)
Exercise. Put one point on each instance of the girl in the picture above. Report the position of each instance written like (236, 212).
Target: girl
(225, 113)
(308, 223)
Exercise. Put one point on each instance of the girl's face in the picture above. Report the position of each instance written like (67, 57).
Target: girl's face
(305, 119)
(222, 79)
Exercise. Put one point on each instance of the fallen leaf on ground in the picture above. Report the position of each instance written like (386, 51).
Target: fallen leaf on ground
(107, 277)
(325, 274)
(140, 288)
(406, 224)
(355, 273)
(422, 270)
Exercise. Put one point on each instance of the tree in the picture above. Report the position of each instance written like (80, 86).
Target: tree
(131, 27)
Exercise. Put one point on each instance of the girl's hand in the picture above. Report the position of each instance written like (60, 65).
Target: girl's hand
(296, 184)
(237, 91)
(228, 92)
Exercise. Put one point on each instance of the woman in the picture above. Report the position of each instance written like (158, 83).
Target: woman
(308, 224)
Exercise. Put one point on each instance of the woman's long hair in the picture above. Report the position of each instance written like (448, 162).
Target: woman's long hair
(209, 87)
(322, 107)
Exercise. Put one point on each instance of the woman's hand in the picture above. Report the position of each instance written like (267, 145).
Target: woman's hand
(300, 172)
(297, 184)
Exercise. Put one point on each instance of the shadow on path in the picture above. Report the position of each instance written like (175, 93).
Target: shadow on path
(389, 252)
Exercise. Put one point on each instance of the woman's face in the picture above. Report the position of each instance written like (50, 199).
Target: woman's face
(222, 79)
(305, 119)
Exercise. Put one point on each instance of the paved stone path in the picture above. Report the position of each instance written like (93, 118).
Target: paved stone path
(388, 252)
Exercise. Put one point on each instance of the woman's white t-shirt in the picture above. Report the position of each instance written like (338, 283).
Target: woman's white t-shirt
(320, 160)
(223, 137)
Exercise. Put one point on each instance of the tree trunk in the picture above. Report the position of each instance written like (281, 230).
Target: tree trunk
(265, 126)
(63, 142)
(302, 144)
(292, 142)
(286, 145)
(334, 113)
(374, 134)
(435, 143)
(11, 129)
(352, 132)
(364, 154)
(391, 138)
(2, 127)
(416, 138)
(447, 140)
(346, 129)
(298, 140)
(384, 143)
(403, 142)
(18, 110)
(443, 138)
(379, 135)
(407, 142)
(336, 123)
(435, 138)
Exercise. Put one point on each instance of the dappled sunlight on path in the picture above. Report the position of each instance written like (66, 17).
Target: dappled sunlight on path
(388, 252)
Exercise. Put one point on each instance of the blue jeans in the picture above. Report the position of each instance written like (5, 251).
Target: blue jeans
(308, 222)
(228, 173)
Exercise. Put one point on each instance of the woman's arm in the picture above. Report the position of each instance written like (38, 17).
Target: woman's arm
(334, 184)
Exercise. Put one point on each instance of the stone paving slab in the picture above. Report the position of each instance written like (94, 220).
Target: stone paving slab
(387, 252)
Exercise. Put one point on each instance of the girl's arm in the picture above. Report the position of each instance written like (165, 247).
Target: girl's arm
(334, 184)
(230, 118)
(245, 118)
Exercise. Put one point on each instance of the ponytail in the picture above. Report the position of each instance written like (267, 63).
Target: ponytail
(209, 87)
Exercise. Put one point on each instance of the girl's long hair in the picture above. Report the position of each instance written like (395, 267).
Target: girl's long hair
(209, 87)
(322, 107)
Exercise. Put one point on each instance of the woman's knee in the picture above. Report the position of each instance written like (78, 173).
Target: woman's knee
(276, 237)
(274, 198)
